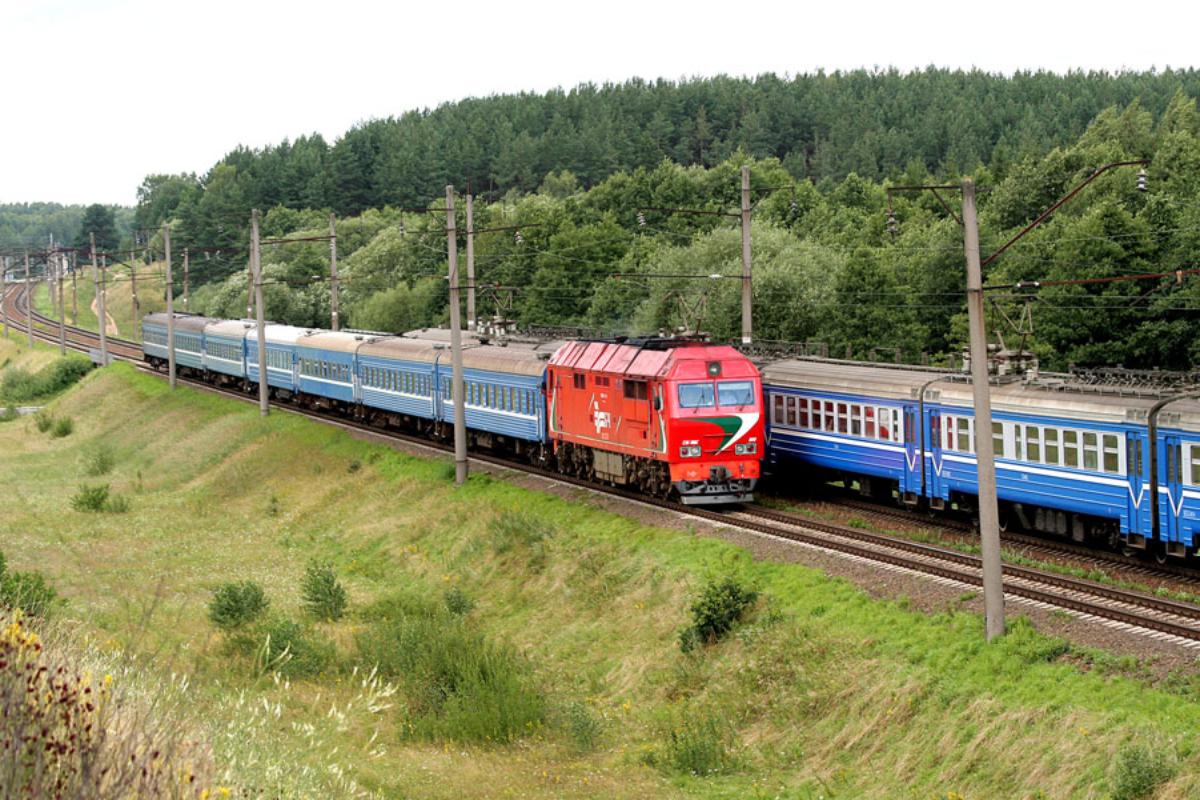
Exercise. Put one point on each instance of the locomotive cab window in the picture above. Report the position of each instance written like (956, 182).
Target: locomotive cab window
(696, 395)
(735, 393)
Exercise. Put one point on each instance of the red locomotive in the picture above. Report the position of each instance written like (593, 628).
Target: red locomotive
(658, 415)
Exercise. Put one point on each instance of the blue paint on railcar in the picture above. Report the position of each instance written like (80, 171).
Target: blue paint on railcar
(225, 354)
(859, 436)
(281, 365)
(189, 346)
(326, 373)
(405, 387)
(1178, 473)
(501, 403)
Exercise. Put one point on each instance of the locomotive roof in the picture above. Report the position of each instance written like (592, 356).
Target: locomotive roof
(634, 360)
(903, 383)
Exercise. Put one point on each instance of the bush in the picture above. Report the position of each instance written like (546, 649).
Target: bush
(63, 426)
(457, 602)
(9, 414)
(90, 499)
(719, 607)
(233, 605)
(27, 591)
(584, 726)
(324, 596)
(1137, 772)
(290, 649)
(43, 421)
(696, 747)
(94, 499)
(19, 386)
(99, 461)
(459, 685)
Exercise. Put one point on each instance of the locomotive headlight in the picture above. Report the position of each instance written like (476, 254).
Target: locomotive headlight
(747, 449)
(689, 451)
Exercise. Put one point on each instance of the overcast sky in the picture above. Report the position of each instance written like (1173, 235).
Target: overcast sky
(99, 93)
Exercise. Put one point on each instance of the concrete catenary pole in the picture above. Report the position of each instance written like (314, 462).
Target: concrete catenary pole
(185, 280)
(74, 289)
(28, 300)
(4, 292)
(170, 307)
(333, 278)
(472, 322)
(133, 295)
(747, 318)
(989, 517)
(98, 279)
(456, 388)
(264, 389)
(59, 263)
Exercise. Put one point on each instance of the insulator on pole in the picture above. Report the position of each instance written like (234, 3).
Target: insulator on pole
(1142, 177)
(641, 219)
(518, 238)
(892, 226)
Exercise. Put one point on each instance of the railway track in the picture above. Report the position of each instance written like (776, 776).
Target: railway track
(1123, 608)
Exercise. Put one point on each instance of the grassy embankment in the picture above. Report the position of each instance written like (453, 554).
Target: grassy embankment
(573, 636)
(118, 300)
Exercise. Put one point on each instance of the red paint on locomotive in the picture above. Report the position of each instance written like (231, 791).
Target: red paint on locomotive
(659, 415)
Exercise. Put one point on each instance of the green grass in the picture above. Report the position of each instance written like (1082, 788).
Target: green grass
(572, 632)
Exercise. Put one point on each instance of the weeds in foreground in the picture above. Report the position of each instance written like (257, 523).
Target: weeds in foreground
(700, 746)
(27, 591)
(67, 734)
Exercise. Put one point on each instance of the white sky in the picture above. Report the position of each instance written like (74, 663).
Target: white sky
(99, 93)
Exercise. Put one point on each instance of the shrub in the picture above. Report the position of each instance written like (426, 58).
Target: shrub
(27, 591)
(19, 386)
(43, 421)
(9, 414)
(324, 596)
(696, 747)
(459, 685)
(583, 726)
(94, 499)
(98, 461)
(1137, 772)
(233, 605)
(63, 426)
(90, 499)
(291, 649)
(719, 607)
(457, 602)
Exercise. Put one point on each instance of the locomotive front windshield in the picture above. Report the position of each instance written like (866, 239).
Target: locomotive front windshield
(727, 394)
(735, 393)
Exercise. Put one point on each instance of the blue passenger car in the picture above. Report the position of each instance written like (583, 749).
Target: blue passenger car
(503, 391)
(325, 362)
(225, 347)
(282, 369)
(189, 339)
(398, 375)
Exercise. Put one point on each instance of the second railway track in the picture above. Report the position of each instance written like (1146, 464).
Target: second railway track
(1132, 610)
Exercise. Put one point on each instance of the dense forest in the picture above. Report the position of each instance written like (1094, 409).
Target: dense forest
(31, 225)
(571, 176)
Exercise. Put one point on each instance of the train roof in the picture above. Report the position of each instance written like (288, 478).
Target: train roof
(635, 360)
(333, 341)
(946, 386)
(399, 349)
(229, 328)
(283, 334)
(512, 360)
(191, 323)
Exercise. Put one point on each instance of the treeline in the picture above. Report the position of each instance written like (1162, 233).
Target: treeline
(30, 225)
(875, 124)
(825, 267)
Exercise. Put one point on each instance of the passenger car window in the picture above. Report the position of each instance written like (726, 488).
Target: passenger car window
(696, 395)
